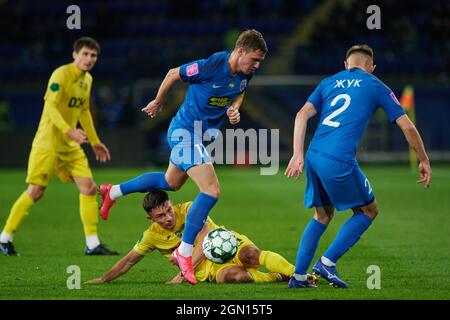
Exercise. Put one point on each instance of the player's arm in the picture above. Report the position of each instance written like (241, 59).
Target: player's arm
(197, 254)
(53, 96)
(101, 151)
(121, 267)
(58, 121)
(233, 111)
(415, 142)
(295, 166)
(155, 106)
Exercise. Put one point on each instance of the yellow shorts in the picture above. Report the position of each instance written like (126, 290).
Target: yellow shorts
(208, 270)
(44, 164)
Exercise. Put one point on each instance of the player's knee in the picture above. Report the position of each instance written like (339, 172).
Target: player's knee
(249, 256)
(236, 275)
(324, 218)
(89, 189)
(35, 192)
(213, 190)
(372, 212)
(243, 277)
(175, 186)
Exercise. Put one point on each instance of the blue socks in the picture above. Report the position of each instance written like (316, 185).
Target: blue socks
(146, 182)
(349, 234)
(308, 245)
(197, 215)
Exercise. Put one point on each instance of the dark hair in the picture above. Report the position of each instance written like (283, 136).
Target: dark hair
(360, 48)
(154, 199)
(86, 42)
(251, 40)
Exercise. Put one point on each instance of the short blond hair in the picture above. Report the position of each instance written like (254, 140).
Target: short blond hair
(360, 48)
(251, 40)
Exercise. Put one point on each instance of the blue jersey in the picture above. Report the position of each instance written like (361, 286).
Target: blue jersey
(212, 89)
(345, 102)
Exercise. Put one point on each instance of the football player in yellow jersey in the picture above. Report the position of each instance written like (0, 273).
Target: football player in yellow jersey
(165, 233)
(56, 147)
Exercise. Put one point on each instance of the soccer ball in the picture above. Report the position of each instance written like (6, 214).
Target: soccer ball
(220, 246)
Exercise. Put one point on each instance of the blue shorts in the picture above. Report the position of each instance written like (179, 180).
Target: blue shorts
(334, 182)
(187, 149)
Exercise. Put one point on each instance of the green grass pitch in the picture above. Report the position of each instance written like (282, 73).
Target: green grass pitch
(409, 240)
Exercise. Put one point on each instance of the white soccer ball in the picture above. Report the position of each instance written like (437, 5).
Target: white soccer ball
(220, 246)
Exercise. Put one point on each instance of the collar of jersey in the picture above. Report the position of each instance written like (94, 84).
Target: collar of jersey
(77, 72)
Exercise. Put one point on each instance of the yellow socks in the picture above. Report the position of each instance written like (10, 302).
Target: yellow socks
(89, 214)
(18, 213)
(276, 263)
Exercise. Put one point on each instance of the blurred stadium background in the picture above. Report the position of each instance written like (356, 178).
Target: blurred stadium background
(141, 40)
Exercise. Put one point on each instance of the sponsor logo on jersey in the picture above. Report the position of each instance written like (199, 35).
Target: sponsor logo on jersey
(75, 102)
(218, 101)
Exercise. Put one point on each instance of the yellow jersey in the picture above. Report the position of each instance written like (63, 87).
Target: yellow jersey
(66, 104)
(166, 241)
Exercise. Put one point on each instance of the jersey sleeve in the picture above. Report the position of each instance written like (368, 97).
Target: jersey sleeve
(316, 98)
(55, 87)
(55, 116)
(145, 244)
(199, 71)
(389, 102)
(88, 126)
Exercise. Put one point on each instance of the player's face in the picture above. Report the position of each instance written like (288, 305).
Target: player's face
(250, 61)
(85, 59)
(164, 215)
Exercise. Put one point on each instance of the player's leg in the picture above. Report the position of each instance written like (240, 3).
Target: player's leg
(19, 211)
(172, 179)
(234, 274)
(348, 188)
(89, 216)
(205, 178)
(75, 167)
(41, 167)
(315, 196)
(251, 257)
(351, 232)
(308, 244)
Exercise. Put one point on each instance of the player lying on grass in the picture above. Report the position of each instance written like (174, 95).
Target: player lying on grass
(165, 233)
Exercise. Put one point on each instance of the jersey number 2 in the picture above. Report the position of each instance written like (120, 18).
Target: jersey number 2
(327, 121)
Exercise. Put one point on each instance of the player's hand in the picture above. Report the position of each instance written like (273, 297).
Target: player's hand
(295, 167)
(77, 135)
(95, 281)
(176, 280)
(425, 173)
(153, 108)
(234, 115)
(101, 152)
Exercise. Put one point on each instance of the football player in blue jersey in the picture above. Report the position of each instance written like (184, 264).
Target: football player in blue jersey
(216, 88)
(345, 103)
